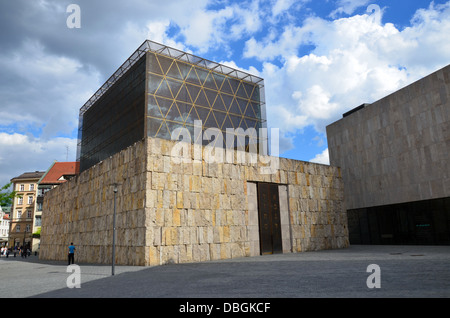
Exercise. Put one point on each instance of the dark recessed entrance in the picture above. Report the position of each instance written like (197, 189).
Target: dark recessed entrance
(424, 222)
(269, 218)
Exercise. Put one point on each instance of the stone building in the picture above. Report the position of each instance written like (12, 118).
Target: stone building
(195, 199)
(23, 210)
(394, 156)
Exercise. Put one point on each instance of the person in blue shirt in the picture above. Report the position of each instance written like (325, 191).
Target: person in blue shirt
(71, 253)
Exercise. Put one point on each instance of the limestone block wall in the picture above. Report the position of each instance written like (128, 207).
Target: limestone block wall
(176, 211)
(81, 211)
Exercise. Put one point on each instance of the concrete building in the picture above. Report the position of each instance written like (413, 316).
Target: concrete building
(394, 156)
(23, 211)
(154, 162)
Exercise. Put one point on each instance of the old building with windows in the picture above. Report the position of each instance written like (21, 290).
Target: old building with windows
(173, 151)
(4, 225)
(56, 174)
(23, 210)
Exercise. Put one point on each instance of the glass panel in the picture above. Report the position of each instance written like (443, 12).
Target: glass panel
(174, 86)
(249, 111)
(242, 105)
(153, 83)
(227, 123)
(226, 88)
(250, 123)
(192, 116)
(190, 128)
(183, 95)
(227, 100)
(201, 99)
(164, 90)
(209, 82)
(234, 107)
(165, 63)
(163, 132)
(202, 113)
(248, 88)
(153, 126)
(193, 91)
(211, 121)
(241, 92)
(153, 108)
(256, 109)
(218, 79)
(116, 119)
(184, 69)
(153, 64)
(234, 84)
(174, 114)
(211, 95)
(192, 77)
(184, 109)
(220, 117)
(172, 126)
(219, 104)
(255, 94)
(174, 72)
(235, 120)
(164, 105)
(202, 75)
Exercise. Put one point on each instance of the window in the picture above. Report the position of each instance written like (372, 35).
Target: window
(28, 229)
(29, 214)
(39, 206)
(32, 187)
(18, 228)
(22, 187)
(19, 214)
(20, 200)
(30, 199)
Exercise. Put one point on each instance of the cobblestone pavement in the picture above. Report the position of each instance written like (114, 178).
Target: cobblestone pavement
(404, 272)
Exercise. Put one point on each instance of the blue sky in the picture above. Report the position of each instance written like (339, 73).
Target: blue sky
(319, 59)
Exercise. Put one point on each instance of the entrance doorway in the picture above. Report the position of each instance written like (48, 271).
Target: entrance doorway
(269, 218)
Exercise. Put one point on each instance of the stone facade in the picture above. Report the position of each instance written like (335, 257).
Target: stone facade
(395, 150)
(176, 212)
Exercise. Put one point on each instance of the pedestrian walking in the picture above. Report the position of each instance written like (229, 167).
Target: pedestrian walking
(71, 253)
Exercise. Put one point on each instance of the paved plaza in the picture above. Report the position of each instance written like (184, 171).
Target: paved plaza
(403, 272)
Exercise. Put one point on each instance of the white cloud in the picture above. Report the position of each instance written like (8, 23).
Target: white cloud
(281, 6)
(355, 60)
(322, 158)
(43, 91)
(20, 153)
(348, 6)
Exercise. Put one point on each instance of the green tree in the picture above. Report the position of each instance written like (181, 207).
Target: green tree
(6, 195)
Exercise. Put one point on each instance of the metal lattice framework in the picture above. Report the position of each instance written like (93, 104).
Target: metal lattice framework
(167, 88)
(173, 53)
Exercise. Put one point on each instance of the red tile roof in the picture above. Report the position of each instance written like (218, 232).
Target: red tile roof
(59, 169)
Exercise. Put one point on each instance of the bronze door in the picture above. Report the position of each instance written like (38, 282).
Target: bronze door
(269, 218)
